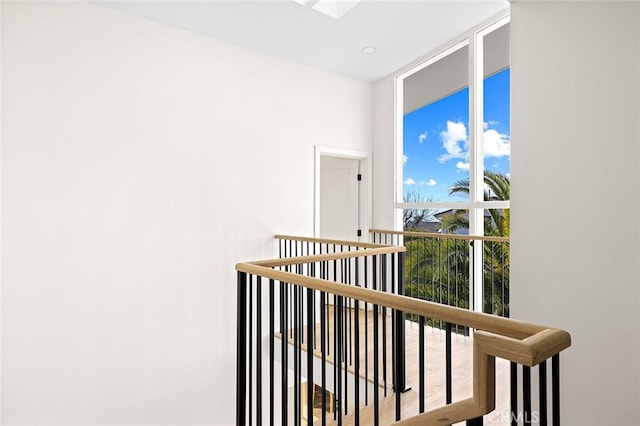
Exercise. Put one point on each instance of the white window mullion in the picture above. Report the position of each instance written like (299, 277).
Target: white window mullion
(398, 195)
(476, 171)
(399, 132)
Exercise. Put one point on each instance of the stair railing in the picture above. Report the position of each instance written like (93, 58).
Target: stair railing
(298, 312)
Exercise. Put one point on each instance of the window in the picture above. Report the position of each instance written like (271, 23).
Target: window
(453, 141)
(435, 137)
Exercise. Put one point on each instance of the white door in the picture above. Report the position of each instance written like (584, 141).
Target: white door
(339, 198)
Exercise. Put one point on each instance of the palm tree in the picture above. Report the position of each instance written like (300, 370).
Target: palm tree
(497, 188)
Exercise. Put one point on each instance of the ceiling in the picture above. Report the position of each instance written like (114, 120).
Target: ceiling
(400, 30)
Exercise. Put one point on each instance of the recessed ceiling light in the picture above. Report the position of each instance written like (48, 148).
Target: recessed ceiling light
(369, 50)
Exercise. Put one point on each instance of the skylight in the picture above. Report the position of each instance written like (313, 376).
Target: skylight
(334, 8)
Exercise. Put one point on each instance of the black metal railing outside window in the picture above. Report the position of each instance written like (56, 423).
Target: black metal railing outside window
(438, 268)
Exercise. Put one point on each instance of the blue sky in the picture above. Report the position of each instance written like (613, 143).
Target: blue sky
(436, 137)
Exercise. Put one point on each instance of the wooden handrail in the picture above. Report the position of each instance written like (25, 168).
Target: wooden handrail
(272, 263)
(505, 327)
(330, 241)
(435, 235)
(517, 341)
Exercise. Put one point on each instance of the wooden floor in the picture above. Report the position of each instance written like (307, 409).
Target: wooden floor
(434, 368)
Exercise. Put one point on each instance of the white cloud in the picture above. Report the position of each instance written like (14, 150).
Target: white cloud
(422, 137)
(430, 182)
(496, 144)
(454, 141)
(462, 166)
(486, 124)
(404, 159)
(409, 181)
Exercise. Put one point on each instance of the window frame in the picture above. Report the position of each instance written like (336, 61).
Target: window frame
(475, 205)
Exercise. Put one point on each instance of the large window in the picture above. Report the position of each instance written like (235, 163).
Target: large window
(435, 123)
(453, 141)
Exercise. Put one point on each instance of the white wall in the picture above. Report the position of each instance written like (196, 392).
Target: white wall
(1, 184)
(575, 207)
(384, 154)
(139, 164)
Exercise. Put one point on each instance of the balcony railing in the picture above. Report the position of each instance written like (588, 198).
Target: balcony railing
(440, 268)
(329, 318)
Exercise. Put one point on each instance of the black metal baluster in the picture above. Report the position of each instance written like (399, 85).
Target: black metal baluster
(258, 350)
(421, 384)
(455, 272)
(394, 341)
(445, 285)
(514, 394)
(439, 293)
(493, 273)
(401, 372)
(414, 281)
(366, 336)
(326, 302)
(312, 337)
(299, 271)
(542, 372)
(284, 367)
(555, 389)
(310, 327)
(324, 357)
(357, 272)
(301, 331)
(338, 353)
(291, 321)
(505, 309)
(335, 325)
(250, 348)
(356, 374)
(398, 363)
(432, 262)
(376, 371)
(383, 287)
(349, 311)
(448, 372)
(426, 249)
(296, 358)
(241, 351)
(345, 405)
(526, 394)
(272, 338)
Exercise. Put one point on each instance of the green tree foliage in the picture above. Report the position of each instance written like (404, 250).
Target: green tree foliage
(437, 269)
(497, 188)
